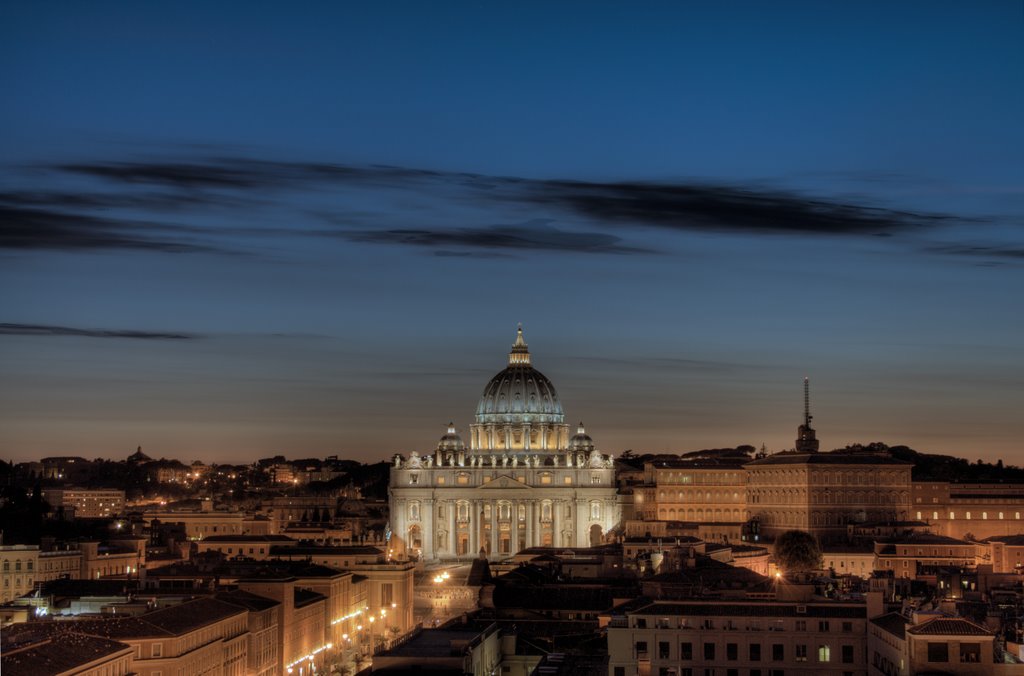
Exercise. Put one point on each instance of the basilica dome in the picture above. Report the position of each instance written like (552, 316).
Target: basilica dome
(520, 393)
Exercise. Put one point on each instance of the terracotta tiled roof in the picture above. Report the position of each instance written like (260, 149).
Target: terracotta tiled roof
(57, 650)
(949, 626)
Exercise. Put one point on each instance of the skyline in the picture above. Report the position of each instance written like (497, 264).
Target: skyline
(227, 234)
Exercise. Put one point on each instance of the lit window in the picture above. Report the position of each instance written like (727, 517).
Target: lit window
(568, 480)
(824, 653)
(968, 515)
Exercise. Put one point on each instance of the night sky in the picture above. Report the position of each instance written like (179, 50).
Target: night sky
(229, 231)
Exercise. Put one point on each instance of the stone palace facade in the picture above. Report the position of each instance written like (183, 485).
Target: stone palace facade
(522, 481)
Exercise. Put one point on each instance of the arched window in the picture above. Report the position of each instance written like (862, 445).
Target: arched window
(414, 510)
(522, 513)
(545, 510)
(463, 511)
(505, 511)
(595, 510)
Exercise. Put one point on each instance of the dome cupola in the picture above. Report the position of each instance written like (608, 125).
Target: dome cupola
(581, 441)
(451, 441)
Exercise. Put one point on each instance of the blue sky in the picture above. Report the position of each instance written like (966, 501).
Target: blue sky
(233, 230)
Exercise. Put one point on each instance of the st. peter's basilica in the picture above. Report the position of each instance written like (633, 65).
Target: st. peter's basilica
(522, 481)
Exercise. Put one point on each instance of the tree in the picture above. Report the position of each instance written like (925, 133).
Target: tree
(797, 551)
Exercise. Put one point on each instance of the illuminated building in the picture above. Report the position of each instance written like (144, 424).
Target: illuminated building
(522, 481)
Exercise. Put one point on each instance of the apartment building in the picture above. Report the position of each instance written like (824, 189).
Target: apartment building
(86, 503)
(901, 646)
(799, 634)
(923, 553)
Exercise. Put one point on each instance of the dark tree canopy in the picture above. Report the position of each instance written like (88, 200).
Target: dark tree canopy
(797, 551)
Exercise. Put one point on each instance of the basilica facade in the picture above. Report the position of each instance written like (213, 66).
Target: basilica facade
(522, 480)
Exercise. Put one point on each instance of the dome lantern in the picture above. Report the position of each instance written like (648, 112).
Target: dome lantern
(520, 354)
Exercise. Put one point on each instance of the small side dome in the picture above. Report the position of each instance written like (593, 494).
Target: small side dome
(451, 441)
(581, 441)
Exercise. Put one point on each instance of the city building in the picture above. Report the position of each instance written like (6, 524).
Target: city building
(18, 570)
(899, 646)
(86, 503)
(522, 481)
(748, 636)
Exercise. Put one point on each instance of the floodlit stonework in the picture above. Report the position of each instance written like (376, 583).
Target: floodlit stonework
(522, 481)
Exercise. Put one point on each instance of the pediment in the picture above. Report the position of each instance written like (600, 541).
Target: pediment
(504, 482)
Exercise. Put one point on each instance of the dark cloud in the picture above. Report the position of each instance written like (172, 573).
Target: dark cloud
(677, 206)
(44, 219)
(22, 228)
(96, 200)
(980, 251)
(723, 209)
(46, 330)
(534, 236)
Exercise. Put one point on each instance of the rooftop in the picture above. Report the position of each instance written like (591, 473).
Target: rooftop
(894, 623)
(949, 626)
(30, 652)
(773, 609)
(833, 458)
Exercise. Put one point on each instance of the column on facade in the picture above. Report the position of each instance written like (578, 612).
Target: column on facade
(453, 545)
(529, 523)
(526, 436)
(428, 529)
(556, 523)
(514, 529)
(474, 528)
(494, 527)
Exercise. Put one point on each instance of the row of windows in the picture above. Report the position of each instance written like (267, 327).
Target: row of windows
(711, 652)
(17, 566)
(824, 626)
(967, 515)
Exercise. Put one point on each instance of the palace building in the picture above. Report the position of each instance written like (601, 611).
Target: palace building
(522, 481)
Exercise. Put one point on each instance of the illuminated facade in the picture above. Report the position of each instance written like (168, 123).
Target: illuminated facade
(522, 481)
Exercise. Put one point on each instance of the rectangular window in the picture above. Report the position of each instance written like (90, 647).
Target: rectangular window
(970, 653)
(686, 651)
(387, 594)
(824, 653)
(847, 627)
(567, 480)
(801, 653)
(732, 651)
(847, 654)
(755, 652)
(641, 650)
(823, 626)
(156, 650)
(801, 625)
(778, 652)
(709, 651)
(620, 671)
(662, 650)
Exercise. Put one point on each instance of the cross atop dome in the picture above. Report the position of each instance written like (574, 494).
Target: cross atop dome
(520, 355)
